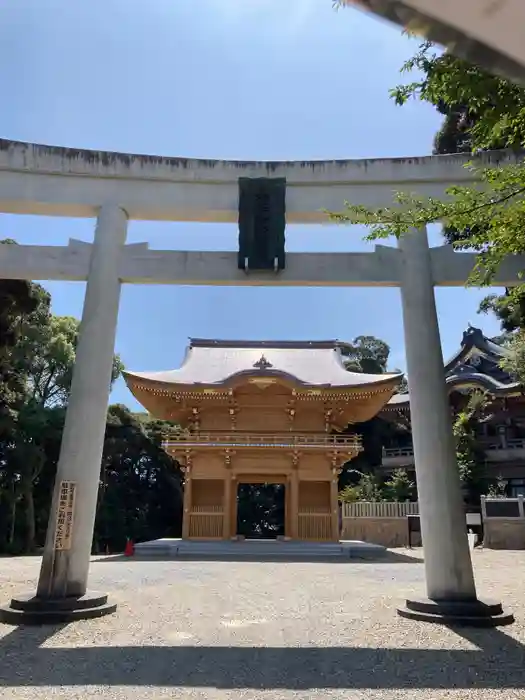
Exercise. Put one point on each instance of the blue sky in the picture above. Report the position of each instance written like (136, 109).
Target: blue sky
(248, 79)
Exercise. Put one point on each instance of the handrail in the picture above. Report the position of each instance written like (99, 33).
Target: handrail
(398, 452)
(511, 444)
(262, 440)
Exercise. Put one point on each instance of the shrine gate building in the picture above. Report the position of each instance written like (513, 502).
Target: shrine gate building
(262, 412)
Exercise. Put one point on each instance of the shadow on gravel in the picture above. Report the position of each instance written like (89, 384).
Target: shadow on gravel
(389, 557)
(497, 663)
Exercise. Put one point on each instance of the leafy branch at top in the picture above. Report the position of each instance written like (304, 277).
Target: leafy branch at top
(483, 110)
(492, 213)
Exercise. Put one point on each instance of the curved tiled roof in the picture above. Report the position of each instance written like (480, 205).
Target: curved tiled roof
(473, 339)
(309, 363)
(476, 365)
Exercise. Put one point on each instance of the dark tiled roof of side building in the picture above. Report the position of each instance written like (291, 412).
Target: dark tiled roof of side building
(475, 364)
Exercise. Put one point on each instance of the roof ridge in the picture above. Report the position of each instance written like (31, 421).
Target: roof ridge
(261, 344)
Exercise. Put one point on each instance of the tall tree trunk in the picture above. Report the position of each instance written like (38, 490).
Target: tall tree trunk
(29, 514)
(11, 537)
(12, 525)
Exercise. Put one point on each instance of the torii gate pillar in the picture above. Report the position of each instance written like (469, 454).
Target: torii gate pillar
(450, 583)
(61, 592)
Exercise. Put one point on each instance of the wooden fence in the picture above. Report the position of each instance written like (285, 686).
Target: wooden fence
(380, 509)
(315, 526)
(380, 522)
(206, 522)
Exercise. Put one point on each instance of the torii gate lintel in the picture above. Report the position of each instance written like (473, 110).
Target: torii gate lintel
(138, 264)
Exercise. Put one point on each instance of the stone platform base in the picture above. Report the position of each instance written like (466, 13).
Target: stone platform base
(27, 609)
(477, 613)
(258, 550)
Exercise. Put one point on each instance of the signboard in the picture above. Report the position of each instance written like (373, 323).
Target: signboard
(65, 515)
(502, 508)
(414, 525)
(474, 519)
(262, 222)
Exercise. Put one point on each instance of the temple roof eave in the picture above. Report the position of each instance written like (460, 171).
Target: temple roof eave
(464, 381)
(150, 383)
(461, 374)
(483, 381)
(473, 339)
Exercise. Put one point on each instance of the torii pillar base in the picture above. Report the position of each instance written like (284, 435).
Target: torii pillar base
(457, 613)
(29, 609)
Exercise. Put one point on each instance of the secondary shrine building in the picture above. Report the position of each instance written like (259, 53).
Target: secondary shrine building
(500, 433)
(262, 413)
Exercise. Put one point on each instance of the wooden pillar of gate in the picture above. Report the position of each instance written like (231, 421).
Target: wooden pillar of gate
(186, 513)
(334, 508)
(227, 507)
(294, 498)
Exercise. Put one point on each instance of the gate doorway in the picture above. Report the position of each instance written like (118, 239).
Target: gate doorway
(261, 510)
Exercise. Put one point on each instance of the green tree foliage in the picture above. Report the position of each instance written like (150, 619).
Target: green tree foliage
(367, 488)
(350, 494)
(481, 112)
(37, 354)
(367, 354)
(140, 493)
(399, 487)
(508, 307)
(18, 299)
(46, 351)
(21, 420)
(470, 455)
(498, 489)
(41, 366)
(514, 362)
(493, 212)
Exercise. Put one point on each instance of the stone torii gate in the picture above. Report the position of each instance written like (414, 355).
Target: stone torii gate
(116, 187)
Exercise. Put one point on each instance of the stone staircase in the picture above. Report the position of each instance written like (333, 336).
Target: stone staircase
(258, 550)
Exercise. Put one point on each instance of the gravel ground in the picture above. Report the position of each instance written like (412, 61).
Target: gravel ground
(222, 630)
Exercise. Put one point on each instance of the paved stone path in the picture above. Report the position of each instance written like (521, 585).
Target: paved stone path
(264, 631)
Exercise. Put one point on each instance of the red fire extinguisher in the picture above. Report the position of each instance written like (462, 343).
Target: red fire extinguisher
(129, 550)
